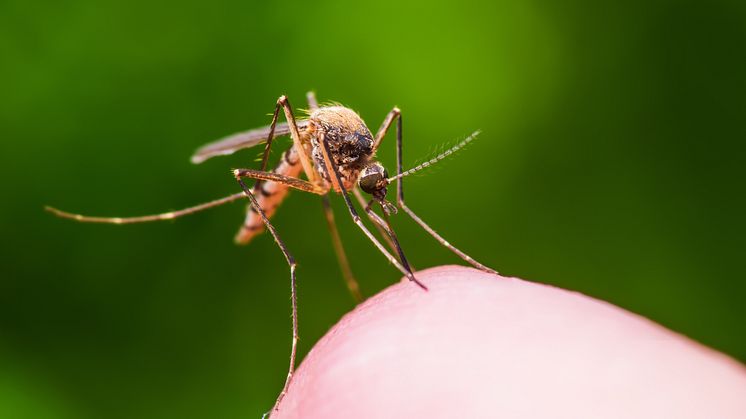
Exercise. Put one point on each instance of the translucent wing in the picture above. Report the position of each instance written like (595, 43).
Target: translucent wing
(245, 139)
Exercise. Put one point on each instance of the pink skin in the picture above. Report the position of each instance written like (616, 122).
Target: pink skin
(480, 346)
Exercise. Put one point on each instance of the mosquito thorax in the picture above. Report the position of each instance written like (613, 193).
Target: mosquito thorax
(348, 138)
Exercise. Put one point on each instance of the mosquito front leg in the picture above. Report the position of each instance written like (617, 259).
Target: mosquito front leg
(384, 225)
(393, 114)
(337, 180)
(418, 220)
(361, 200)
(293, 291)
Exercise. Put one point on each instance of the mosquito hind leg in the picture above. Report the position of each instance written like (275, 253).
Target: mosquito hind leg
(293, 288)
(418, 220)
(383, 224)
(344, 264)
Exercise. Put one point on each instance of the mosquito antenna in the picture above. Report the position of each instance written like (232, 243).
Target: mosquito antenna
(146, 218)
(435, 159)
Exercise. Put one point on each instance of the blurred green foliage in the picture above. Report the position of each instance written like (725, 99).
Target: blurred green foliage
(611, 162)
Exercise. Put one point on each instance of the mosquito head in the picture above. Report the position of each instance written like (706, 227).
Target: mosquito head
(373, 180)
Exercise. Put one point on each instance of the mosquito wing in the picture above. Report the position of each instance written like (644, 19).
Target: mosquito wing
(245, 139)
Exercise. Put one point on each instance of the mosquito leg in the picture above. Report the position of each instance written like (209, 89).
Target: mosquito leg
(393, 114)
(293, 292)
(344, 264)
(282, 101)
(363, 203)
(305, 160)
(418, 220)
(337, 179)
(292, 182)
(145, 218)
(270, 136)
(385, 225)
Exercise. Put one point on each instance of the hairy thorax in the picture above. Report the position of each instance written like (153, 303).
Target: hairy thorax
(350, 142)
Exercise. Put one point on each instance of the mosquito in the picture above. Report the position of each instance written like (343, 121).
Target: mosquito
(335, 151)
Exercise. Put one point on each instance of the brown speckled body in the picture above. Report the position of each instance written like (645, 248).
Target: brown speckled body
(350, 142)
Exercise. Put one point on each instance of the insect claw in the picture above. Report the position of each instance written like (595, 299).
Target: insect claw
(388, 208)
(416, 281)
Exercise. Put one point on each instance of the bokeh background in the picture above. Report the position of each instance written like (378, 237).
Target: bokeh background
(611, 162)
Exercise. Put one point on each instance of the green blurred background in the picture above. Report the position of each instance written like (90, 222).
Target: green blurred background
(611, 163)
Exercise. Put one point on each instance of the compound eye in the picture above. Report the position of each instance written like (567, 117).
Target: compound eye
(368, 183)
